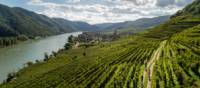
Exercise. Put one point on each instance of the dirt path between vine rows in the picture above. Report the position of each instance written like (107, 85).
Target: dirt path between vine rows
(148, 72)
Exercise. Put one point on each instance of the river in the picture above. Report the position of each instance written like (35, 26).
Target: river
(13, 58)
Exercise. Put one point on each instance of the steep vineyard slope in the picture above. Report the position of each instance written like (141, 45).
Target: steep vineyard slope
(179, 64)
(167, 56)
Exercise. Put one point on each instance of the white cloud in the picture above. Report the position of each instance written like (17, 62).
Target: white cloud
(99, 11)
(36, 1)
(73, 1)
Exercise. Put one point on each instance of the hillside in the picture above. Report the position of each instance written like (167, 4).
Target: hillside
(18, 21)
(167, 56)
(184, 19)
(137, 25)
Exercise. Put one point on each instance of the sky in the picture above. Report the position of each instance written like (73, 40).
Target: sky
(100, 11)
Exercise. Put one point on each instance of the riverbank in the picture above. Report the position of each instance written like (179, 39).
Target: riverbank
(13, 58)
(10, 41)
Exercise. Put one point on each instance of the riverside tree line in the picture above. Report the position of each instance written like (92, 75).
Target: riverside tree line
(7, 41)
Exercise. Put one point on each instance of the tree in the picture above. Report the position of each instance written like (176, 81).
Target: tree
(46, 57)
(1, 42)
(67, 46)
(70, 39)
(54, 53)
(10, 77)
(115, 35)
(29, 63)
(37, 61)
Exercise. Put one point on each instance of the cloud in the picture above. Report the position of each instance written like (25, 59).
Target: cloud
(99, 11)
(141, 2)
(36, 1)
(72, 1)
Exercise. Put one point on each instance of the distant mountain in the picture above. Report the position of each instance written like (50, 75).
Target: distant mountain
(74, 25)
(136, 25)
(103, 26)
(18, 21)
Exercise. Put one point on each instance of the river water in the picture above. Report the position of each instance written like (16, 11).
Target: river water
(13, 58)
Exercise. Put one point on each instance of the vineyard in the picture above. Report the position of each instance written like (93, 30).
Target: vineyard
(131, 62)
(167, 56)
(121, 68)
(179, 63)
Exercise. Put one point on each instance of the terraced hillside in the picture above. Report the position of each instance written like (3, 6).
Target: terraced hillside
(167, 56)
(170, 63)
(108, 65)
(179, 65)
(179, 62)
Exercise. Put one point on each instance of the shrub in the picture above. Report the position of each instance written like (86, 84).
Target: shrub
(84, 54)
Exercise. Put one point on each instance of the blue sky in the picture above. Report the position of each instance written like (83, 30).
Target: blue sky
(100, 11)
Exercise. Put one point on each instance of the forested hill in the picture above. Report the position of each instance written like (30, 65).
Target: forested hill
(18, 21)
